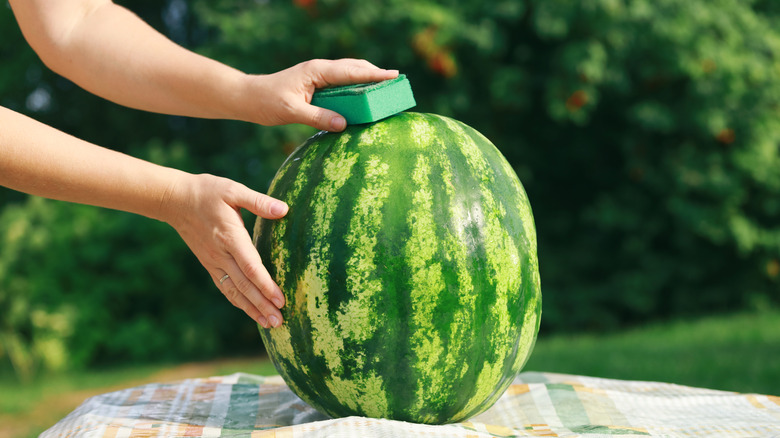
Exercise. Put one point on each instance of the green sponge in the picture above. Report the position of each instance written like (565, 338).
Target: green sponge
(365, 103)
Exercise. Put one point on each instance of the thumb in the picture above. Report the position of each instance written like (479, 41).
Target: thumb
(322, 118)
(260, 204)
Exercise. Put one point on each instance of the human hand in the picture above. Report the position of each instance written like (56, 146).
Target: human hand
(205, 211)
(285, 97)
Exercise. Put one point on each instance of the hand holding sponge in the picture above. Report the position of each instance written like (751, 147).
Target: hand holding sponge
(366, 103)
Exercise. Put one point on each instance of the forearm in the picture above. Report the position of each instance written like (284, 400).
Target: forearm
(109, 51)
(42, 161)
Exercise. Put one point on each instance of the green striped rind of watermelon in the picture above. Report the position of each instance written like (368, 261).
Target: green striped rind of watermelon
(408, 262)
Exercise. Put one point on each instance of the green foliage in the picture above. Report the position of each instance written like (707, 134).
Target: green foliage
(646, 133)
(80, 285)
(83, 286)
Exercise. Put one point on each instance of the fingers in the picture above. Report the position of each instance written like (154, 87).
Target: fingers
(258, 203)
(212, 227)
(286, 95)
(325, 73)
(244, 294)
(246, 270)
(231, 292)
(249, 275)
(322, 119)
(249, 286)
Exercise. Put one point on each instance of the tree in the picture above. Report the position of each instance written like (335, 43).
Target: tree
(645, 132)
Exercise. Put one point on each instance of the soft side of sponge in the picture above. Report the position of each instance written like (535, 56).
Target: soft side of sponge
(365, 103)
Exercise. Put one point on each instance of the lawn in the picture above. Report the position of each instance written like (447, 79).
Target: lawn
(734, 353)
(26, 410)
(737, 353)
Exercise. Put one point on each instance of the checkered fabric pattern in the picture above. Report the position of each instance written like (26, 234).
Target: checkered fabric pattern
(537, 404)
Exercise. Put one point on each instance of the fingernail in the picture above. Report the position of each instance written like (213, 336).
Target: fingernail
(262, 321)
(274, 321)
(393, 72)
(278, 208)
(278, 302)
(338, 124)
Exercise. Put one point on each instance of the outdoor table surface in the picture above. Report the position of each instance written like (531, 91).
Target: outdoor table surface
(536, 404)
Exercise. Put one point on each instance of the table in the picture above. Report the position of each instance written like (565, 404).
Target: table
(536, 404)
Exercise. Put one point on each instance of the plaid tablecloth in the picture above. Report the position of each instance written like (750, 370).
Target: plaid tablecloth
(537, 404)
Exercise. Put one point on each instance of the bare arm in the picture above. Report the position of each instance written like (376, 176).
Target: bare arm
(109, 51)
(203, 209)
(42, 161)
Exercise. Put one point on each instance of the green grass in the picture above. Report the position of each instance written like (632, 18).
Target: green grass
(27, 409)
(19, 397)
(735, 353)
(738, 353)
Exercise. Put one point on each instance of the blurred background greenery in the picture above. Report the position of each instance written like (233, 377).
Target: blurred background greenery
(646, 133)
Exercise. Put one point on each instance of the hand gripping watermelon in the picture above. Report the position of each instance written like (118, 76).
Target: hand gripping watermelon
(408, 261)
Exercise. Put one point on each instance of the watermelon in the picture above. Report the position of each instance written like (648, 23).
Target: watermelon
(408, 261)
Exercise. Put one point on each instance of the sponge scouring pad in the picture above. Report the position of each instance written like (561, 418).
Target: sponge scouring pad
(365, 103)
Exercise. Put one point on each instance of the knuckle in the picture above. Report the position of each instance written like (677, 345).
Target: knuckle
(243, 284)
(318, 119)
(353, 73)
(288, 109)
(318, 63)
(252, 270)
(211, 182)
(311, 65)
(224, 240)
(231, 189)
(213, 254)
(261, 203)
(231, 293)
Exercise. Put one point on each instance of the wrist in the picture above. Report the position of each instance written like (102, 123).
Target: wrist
(235, 98)
(250, 99)
(172, 198)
